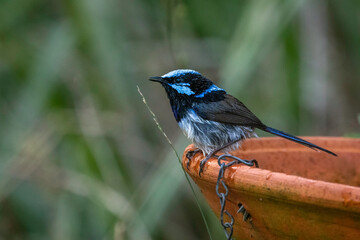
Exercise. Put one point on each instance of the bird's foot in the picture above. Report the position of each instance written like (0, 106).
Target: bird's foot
(239, 160)
(190, 155)
(252, 162)
(246, 214)
(202, 163)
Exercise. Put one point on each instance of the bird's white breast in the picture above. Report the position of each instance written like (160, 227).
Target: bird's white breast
(210, 135)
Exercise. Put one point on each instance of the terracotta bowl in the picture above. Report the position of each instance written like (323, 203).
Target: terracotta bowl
(296, 193)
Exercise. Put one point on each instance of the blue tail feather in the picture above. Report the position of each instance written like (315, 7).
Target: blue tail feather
(295, 139)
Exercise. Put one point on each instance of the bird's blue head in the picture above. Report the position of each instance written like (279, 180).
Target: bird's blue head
(185, 86)
(186, 83)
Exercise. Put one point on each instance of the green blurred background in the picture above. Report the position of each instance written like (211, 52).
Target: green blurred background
(80, 156)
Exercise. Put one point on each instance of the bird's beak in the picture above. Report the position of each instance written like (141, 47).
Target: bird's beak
(156, 79)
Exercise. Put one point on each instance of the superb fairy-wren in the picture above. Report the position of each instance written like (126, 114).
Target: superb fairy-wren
(211, 118)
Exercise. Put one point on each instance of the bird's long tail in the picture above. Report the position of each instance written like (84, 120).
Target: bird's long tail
(295, 139)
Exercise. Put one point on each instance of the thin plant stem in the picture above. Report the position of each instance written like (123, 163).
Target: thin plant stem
(177, 155)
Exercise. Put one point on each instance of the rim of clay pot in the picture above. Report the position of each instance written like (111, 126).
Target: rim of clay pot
(261, 182)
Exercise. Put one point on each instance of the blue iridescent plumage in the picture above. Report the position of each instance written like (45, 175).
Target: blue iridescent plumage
(179, 73)
(182, 88)
(212, 88)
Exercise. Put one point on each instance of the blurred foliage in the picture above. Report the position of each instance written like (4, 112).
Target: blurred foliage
(80, 155)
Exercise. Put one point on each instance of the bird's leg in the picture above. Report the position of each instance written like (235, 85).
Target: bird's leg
(212, 154)
(190, 155)
(202, 163)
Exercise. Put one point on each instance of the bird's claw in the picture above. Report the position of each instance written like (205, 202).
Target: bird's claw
(202, 164)
(190, 155)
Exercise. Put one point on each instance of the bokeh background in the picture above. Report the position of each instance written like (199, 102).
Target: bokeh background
(80, 156)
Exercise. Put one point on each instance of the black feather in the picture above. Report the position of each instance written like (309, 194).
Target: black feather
(229, 110)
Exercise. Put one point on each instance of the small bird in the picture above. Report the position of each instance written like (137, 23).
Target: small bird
(211, 118)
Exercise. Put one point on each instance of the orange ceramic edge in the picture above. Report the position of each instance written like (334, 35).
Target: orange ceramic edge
(279, 185)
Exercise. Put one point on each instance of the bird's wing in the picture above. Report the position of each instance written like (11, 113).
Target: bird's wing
(230, 111)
